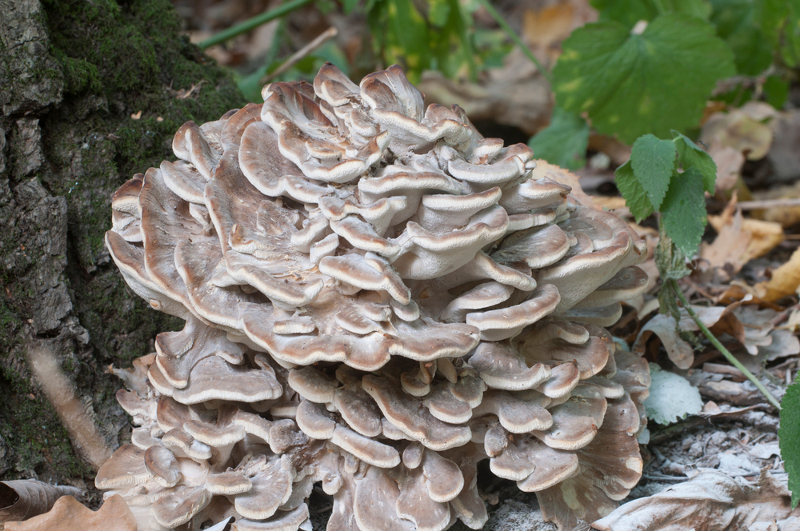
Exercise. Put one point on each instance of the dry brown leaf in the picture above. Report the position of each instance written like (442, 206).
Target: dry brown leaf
(711, 501)
(760, 237)
(736, 393)
(678, 350)
(24, 498)
(549, 25)
(750, 326)
(729, 163)
(68, 514)
(730, 246)
(759, 111)
(786, 216)
(609, 203)
(738, 130)
(784, 157)
(785, 280)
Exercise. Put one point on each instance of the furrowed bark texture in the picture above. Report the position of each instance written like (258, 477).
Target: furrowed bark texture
(75, 76)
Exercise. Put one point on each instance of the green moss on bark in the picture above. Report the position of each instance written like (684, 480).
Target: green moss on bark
(108, 60)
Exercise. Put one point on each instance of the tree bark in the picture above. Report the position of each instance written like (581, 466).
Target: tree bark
(90, 93)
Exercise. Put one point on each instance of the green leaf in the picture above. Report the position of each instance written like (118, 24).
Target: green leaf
(631, 189)
(349, 6)
(629, 12)
(780, 22)
(564, 141)
(789, 438)
(636, 84)
(653, 162)
(690, 155)
(438, 11)
(684, 210)
(776, 90)
(737, 22)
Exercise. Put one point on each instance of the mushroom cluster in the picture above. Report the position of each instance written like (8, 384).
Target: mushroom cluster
(376, 299)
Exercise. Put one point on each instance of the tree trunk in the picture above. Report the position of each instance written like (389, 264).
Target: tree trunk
(91, 93)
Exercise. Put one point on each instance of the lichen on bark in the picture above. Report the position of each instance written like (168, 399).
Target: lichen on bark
(75, 77)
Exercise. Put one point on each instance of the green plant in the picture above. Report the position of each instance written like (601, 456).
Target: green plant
(648, 66)
(789, 435)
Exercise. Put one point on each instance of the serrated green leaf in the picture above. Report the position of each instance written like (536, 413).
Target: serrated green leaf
(653, 162)
(564, 141)
(636, 84)
(683, 211)
(690, 155)
(629, 12)
(631, 189)
(789, 438)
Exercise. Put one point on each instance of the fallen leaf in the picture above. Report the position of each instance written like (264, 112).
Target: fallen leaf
(784, 157)
(548, 26)
(729, 163)
(664, 326)
(24, 498)
(759, 111)
(737, 130)
(750, 325)
(736, 393)
(68, 514)
(764, 235)
(786, 216)
(609, 203)
(785, 280)
(765, 450)
(729, 249)
(711, 501)
(671, 398)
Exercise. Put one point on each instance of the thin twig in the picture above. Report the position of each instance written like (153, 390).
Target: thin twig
(770, 203)
(725, 352)
(252, 23)
(302, 53)
(514, 37)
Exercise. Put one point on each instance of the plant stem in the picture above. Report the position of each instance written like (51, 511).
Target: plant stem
(514, 37)
(253, 23)
(725, 352)
(303, 52)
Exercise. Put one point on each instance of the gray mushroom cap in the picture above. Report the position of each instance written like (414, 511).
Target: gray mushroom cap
(376, 299)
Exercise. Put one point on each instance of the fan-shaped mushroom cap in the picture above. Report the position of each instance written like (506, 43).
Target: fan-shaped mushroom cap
(418, 288)
(272, 486)
(502, 367)
(180, 505)
(280, 521)
(215, 379)
(162, 465)
(126, 468)
(417, 423)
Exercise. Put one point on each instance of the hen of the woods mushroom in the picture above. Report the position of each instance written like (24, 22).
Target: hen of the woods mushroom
(377, 299)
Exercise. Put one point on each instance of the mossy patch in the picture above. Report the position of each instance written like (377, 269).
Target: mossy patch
(129, 80)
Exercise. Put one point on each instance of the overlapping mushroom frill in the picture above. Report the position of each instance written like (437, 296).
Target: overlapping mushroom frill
(376, 299)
